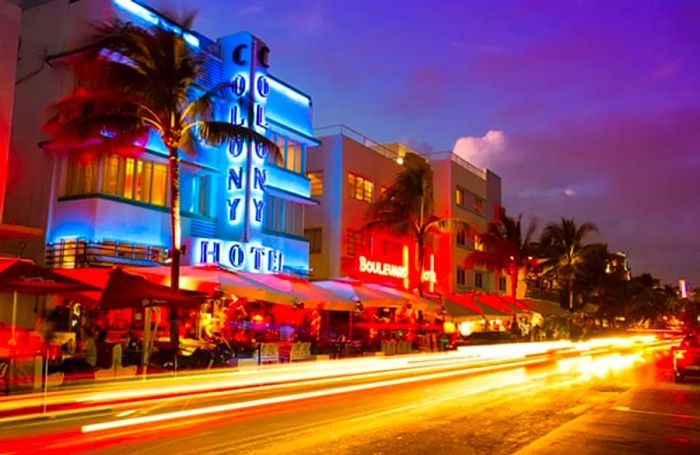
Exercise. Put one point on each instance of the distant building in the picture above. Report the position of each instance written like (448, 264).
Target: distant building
(617, 264)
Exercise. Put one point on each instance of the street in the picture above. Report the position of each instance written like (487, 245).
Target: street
(433, 404)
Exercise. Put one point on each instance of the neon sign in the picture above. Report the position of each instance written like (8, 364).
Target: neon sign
(429, 276)
(238, 255)
(149, 16)
(383, 268)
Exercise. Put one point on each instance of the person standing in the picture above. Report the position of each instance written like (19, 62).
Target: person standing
(91, 350)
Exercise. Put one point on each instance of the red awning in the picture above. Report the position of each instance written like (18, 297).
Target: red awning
(25, 277)
(124, 290)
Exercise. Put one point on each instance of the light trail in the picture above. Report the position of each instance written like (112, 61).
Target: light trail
(209, 410)
(214, 384)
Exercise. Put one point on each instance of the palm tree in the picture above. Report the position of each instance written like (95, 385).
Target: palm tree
(565, 252)
(139, 81)
(407, 208)
(505, 248)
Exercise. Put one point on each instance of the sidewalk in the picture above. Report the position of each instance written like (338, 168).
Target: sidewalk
(663, 418)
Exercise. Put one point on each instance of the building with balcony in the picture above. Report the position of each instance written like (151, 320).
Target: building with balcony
(241, 209)
(473, 195)
(349, 171)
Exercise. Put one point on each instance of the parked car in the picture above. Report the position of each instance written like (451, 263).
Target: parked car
(489, 337)
(686, 357)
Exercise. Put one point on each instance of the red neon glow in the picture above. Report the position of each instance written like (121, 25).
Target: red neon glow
(382, 268)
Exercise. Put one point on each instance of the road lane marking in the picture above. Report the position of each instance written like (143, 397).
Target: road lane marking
(665, 414)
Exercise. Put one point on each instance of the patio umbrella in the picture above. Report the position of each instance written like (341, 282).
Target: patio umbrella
(22, 276)
(303, 290)
(126, 290)
(416, 302)
(520, 305)
(460, 308)
(208, 278)
(359, 292)
(472, 300)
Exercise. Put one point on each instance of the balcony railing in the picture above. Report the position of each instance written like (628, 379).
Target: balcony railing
(81, 253)
(481, 173)
(551, 295)
(356, 136)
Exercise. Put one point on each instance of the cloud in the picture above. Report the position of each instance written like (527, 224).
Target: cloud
(486, 151)
(634, 175)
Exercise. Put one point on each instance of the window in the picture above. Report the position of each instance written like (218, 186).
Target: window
(355, 243)
(160, 182)
(292, 156)
(478, 204)
(459, 197)
(291, 153)
(502, 283)
(203, 196)
(360, 188)
(283, 216)
(462, 237)
(478, 244)
(316, 178)
(315, 236)
(69, 253)
(479, 280)
(81, 176)
(461, 277)
(136, 179)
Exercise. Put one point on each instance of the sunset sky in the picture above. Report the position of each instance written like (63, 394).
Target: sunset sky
(586, 109)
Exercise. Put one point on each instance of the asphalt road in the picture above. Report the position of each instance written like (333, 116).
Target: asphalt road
(437, 410)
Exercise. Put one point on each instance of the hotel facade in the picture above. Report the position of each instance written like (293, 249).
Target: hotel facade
(349, 171)
(241, 206)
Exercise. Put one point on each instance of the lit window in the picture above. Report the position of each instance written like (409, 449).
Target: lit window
(461, 277)
(360, 188)
(316, 178)
(479, 280)
(69, 252)
(276, 156)
(129, 179)
(459, 197)
(160, 184)
(81, 176)
(293, 156)
(110, 183)
(315, 236)
(478, 244)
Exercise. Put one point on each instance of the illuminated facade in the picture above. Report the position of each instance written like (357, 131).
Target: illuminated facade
(242, 207)
(349, 171)
(464, 192)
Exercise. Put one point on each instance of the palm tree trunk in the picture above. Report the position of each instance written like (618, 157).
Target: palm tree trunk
(175, 237)
(513, 281)
(420, 243)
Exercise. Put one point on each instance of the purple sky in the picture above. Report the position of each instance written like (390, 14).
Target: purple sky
(589, 109)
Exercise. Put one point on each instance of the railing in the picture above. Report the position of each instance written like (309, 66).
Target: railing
(551, 295)
(461, 161)
(80, 253)
(357, 137)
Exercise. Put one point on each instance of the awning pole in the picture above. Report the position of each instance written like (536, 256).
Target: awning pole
(13, 341)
